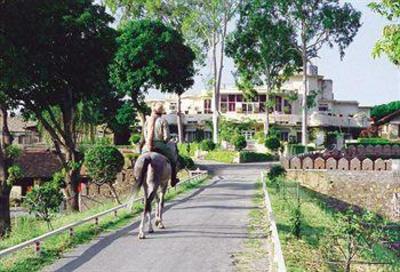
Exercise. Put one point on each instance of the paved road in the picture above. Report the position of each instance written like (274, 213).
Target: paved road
(204, 230)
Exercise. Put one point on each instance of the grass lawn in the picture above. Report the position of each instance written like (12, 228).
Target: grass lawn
(221, 156)
(309, 253)
(27, 228)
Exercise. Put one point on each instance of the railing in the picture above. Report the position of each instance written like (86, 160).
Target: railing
(277, 255)
(70, 228)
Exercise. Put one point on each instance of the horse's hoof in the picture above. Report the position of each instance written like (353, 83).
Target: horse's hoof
(151, 230)
(141, 236)
(161, 226)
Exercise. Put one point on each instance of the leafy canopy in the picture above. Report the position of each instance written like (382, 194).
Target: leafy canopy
(320, 22)
(389, 44)
(151, 55)
(53, 56)
(263, 46)
(379, 111)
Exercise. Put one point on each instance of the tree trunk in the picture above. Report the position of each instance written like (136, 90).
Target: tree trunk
(215, 93)
(179, 121)
(114, 193)
(5, 222)
(73, 189)
(267, 124)
(304, 132)
(121, 137)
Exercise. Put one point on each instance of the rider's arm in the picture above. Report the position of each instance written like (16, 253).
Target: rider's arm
(165, 130)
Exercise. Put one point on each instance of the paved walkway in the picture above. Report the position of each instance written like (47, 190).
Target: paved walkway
(203, 231)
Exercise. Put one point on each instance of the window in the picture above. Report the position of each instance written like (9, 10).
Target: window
(287, 107)
(284, 136)
(278, 103)
(323, 107)
(224, 103)
(231, 102)
(207, 106)
(172, 106)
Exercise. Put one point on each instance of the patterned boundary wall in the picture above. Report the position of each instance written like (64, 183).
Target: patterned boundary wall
(365, 150)
(372, 190)
(354, 164)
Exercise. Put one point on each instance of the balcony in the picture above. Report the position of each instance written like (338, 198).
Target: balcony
(322, 119)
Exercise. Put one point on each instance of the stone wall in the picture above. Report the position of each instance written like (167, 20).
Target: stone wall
(331, 163)
(371, 190)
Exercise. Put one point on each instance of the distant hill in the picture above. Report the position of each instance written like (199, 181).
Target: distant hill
(379, 111)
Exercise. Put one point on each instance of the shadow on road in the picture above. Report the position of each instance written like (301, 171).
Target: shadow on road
(104, 241)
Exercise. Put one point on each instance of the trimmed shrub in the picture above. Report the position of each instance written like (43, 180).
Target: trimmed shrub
(185, 162)
(207, 145)
(295, 149)
(275, 172)
(239, 141)
(272, 143)
(103, 163)
(247, 156)
(134, 139)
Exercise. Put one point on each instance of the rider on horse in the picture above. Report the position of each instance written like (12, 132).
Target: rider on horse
(156, 135)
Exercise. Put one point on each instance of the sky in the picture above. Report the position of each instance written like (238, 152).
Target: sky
(358, 77)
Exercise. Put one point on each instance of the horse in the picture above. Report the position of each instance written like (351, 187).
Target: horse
(152, 171)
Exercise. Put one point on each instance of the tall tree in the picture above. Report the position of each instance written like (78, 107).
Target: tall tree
(209, 23)
(263, 47)
(318, 23)
(151, 55)
(54, 56)
(173, 13)
(204, 25)
(389, 44)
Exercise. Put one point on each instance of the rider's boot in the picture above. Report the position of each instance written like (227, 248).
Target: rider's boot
(174, 179)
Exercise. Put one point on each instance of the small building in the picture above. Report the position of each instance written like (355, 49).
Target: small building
(24, 132)
(389, 126)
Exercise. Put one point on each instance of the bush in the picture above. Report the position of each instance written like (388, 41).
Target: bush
(239, 141)
(247, 156)
(260, 137)
(103, 163)
(134, 139)
(185, 162)
(207, 145)
(44, 201)
(295, 149)
(373, 141)
(272, 143)
(275, 172)
(221, 156)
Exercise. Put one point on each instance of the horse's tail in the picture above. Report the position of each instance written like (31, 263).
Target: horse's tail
(140, 171)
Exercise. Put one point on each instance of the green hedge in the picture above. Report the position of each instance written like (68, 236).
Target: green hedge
(207, 145)
(295, 149)
(247, 156)
(188, 149)
(221, 156)
(374, 141)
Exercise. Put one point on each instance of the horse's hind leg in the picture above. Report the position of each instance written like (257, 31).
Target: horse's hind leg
(150, 199)
(160, 207)
(143, 221)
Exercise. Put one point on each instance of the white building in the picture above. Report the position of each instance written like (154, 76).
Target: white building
(327, 114)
